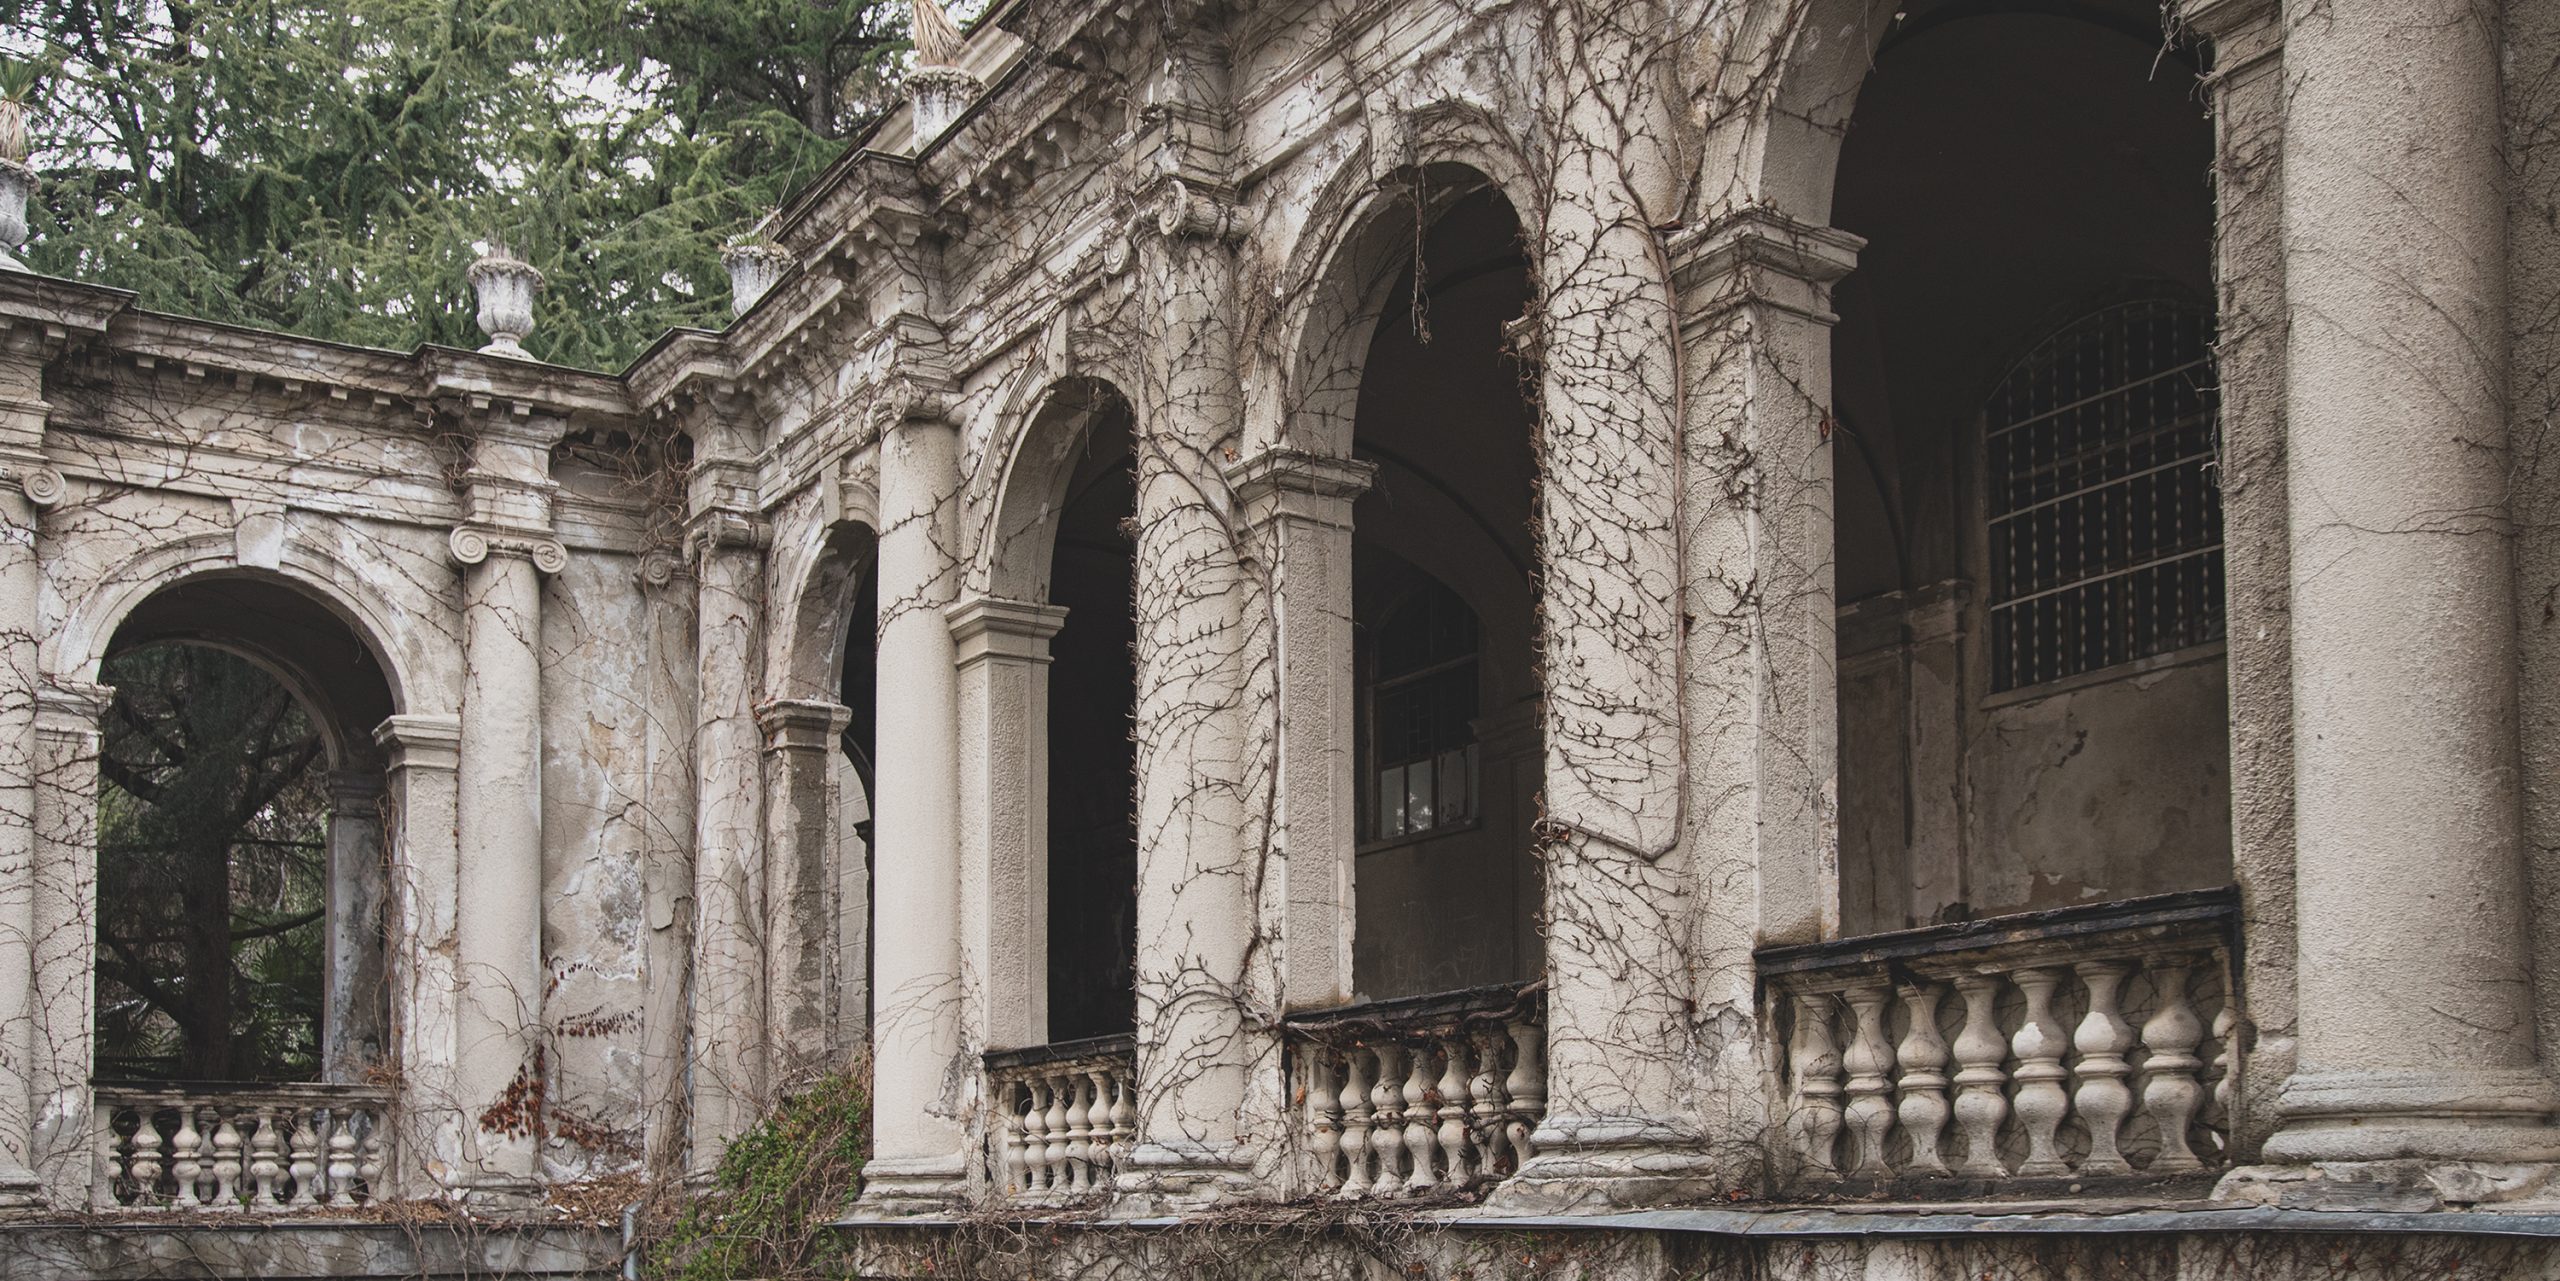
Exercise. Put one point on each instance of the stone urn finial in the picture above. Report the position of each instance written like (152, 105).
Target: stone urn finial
(939, 88)
(754, 267)
(506, 285)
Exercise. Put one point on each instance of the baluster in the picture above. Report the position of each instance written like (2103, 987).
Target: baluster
(1486, 1110)
(2103, 1036)
(1923, 1053)
(1124, 1113)
(1106, 1146)
(1079, 1133)
(186, 1147)
(146, 1158)
(1982, 1101)
(377, 1134)
(1010, 1145)
(1870, 1057)
(1527, 1088)
(1324, 1125)
(2226, 1072)
(2170, 1093)
(265, 1146)
(2039, 1045)
(1059, 1174)
(226, 1160)
(1035, 1135)
(1420, 1140)
(114, 1163)
(342, 1157)
(1453, 1111)
(1355, 1123)
(1386, 1107)
(306, 1158)
(1815, 1122)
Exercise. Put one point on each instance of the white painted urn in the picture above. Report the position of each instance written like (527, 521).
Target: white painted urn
(506, 285)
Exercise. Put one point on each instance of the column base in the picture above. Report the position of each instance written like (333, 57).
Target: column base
(914, 1185)
(1183, 1176)
(1609, 1163)
(2495, 1115)
(2395, 1186)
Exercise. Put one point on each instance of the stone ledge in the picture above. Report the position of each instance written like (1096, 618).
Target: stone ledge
(74, 1250)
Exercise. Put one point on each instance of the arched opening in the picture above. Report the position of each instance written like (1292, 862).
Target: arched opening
(1092, 767)
(240, 842)
(1444, 608)
(857, 688)
(2031, 684)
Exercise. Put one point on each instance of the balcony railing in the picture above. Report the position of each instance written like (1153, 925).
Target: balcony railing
(1993, 1056)
(1421, 1096)
(1067, 1115)
(222, 1148)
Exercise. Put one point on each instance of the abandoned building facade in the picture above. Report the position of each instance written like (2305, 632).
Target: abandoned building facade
(1530, 609)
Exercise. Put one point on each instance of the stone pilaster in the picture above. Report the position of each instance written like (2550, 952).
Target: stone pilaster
(353, 1035)
(2246, 91)
(731, 1081)
(423, 756)
(504, 547)
(1002, 648)
(667, 854)
(918, 1046)
(801, 741)
(2415, 999)
(26, 486)
(1299, 508)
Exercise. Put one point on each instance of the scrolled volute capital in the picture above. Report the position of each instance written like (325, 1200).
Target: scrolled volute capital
(722, 529)
(472, 544)
(42, 485)
(1184, 212)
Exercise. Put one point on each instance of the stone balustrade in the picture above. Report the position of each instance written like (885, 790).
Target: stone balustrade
(2080, 1044)
(1420, 1097)
(1067, 1115)
(188, 1147)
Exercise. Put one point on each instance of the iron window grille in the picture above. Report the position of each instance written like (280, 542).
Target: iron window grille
(2105, 516)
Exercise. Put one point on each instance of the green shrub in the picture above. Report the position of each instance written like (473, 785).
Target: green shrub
(778, 1187)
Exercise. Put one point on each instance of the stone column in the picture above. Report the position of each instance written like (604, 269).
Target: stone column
(2415, 1001)
(799, 927)
(1002, 647)
(730, 1073)
(26, 485)
(918, 1143)
(424, 754)
(64, 916)
(504, 548)
(1208, 1079)
(352, 1010)
(1299, 507)
(498, 801)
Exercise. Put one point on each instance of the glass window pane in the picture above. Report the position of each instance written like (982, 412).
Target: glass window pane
(1452, 781)
(1391, 802)
(1417, 791)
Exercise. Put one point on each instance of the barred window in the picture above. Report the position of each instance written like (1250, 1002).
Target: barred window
(1422, 711)
(2105, 515)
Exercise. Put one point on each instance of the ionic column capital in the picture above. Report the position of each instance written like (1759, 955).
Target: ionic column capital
(802, 724)
(725, 530)
(31, 476)
(472, 544)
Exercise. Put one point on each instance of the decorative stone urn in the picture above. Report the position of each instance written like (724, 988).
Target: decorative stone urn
(506, 285)
(940, 94)
(754, 268)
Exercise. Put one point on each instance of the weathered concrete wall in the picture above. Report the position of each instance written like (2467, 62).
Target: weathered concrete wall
(306, 1252)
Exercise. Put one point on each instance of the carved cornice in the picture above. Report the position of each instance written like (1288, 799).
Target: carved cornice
(472, 544)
